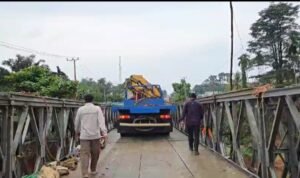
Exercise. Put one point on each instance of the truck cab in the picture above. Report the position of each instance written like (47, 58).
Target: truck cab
(144, 109)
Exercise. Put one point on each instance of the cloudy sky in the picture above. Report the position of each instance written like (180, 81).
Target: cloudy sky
(164, 41)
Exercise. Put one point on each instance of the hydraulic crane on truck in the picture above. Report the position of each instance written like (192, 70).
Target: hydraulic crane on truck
(144, 108)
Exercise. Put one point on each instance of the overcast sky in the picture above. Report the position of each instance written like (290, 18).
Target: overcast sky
(164, 41)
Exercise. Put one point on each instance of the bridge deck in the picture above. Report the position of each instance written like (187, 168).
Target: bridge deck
(159, 156)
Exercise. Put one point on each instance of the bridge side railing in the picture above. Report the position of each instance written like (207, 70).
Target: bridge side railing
(35, 130)
(258, 133)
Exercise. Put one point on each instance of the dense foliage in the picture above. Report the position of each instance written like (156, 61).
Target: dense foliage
(275, 45)
(102, 90)
(42, 81)
(28, 76)
(181, 91)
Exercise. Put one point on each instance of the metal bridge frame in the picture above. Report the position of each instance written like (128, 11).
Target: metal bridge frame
(41, 129)
(273, 119)
(37, 130)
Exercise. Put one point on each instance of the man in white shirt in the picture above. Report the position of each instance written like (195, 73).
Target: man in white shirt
(89, 126)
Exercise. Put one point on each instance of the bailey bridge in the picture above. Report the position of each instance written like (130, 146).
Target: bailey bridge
(244, 135)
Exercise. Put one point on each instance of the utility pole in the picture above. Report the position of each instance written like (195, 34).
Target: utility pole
(185, 94)
(231, 54)
(74, 62)
(231, 61)
(120, 70)
(104, 94)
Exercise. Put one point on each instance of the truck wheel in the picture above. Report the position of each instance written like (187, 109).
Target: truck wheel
(166, 134)
(123, 134)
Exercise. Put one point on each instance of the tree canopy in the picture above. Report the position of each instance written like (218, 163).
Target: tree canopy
(275, 42)
(22, 62)
(181, 91)
(102, 90)
(40, 80)
(29, 76)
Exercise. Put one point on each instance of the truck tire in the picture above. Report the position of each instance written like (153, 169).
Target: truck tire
(123, 134)
(166, 134)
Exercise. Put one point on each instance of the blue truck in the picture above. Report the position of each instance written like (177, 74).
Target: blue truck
(144, 109)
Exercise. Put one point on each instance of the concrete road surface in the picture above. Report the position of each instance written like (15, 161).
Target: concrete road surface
(158, 157)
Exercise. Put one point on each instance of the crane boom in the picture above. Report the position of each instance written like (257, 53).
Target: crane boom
(138, 84)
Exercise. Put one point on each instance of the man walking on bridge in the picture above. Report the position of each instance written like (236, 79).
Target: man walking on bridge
(89, 125)
(193, 115)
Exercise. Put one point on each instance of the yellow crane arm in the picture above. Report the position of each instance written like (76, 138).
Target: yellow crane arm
(141, 85)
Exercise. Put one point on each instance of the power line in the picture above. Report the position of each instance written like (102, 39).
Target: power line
(24, 49)
(17, 47)
(238, 32)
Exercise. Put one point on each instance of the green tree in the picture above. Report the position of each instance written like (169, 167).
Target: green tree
(117, 93)
(165, 93)
(3, 72)
(90, 86)
(199, 89)
(40, 80)
(223, 77)
(237, 80)
(181, 91)
(293, 54)
(214, 83)
(244, 63)
(101, 89)
(22, 62)
(272, 34)
(105, 88)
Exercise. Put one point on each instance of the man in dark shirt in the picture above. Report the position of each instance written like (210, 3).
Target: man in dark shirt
(193, 115)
